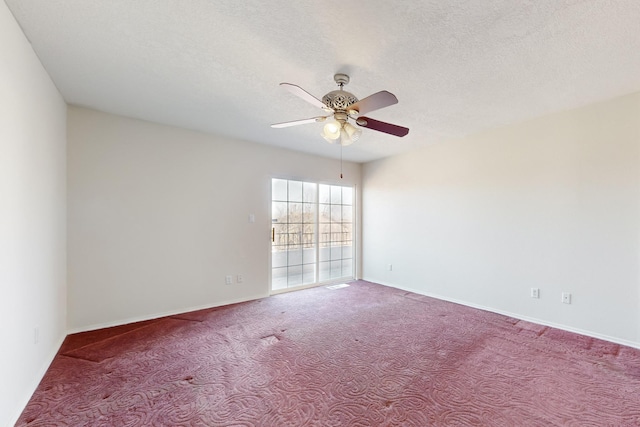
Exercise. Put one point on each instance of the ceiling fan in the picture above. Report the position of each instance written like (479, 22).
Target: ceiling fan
(342, 107)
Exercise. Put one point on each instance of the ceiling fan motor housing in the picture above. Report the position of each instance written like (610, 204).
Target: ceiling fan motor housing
(339, 100)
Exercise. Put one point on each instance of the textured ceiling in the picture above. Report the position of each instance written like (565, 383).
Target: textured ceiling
(457, 67)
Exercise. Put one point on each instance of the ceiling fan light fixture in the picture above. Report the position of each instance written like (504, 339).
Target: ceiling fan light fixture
(344, 138)
(329, 140)
(352, 131)
(331, 131)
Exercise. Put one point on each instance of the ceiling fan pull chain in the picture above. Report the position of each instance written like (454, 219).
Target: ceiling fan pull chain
(340, 159)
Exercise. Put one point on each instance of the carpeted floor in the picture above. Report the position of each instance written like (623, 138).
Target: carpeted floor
(364, 355)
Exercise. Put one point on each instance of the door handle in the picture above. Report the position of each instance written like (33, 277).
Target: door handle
(273, 234)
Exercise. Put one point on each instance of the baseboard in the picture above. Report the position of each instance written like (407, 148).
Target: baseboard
(34, 384)
(543, 322)
(126, 321)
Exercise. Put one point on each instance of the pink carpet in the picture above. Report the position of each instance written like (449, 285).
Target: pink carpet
(365, 355)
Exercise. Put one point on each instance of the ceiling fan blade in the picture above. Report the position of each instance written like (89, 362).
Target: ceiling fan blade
(298, 91)
(299, 122)
(382, 126)
(374, 102)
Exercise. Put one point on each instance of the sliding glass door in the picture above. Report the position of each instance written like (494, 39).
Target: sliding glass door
(312, 233)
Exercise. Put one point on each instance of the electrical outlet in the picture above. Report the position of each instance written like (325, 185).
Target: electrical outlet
(239, 278)
(390, 267)
(566, 297)
(535, 293)
(228, 280)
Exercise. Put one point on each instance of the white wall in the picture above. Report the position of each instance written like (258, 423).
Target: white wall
(32, 219)
(552, 203)
(159, 215)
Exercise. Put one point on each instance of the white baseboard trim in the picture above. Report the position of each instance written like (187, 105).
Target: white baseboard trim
(126, 321)
(543, 322)
(36, 381)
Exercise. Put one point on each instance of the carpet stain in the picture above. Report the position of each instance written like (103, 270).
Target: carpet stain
(271, 339)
